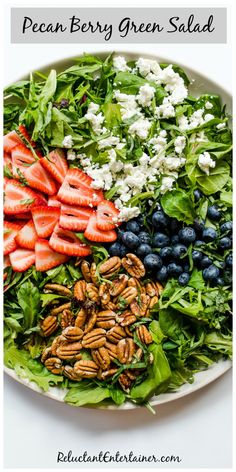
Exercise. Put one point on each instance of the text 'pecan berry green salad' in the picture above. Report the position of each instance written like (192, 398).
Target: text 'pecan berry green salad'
(117, 230)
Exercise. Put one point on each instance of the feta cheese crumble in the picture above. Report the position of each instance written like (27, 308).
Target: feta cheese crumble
(221, 125)
(179, 143)
(145, 95)
(96, 120)
(140, 128)
(205, 162)
(208, 105)
(119, 64)
(67, 141)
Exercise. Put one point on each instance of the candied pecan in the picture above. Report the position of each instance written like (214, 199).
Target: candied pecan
(133, 265)
(58, 288)
(49, 325)
(101, 357)
(67, 319)
(85, 269)
(125, 350)
(69, 350)
(54, 365)
(94, 339)
(115, 334)
(143, 334)
(79, 290)
(119, 285)
(86, 369)
(59, 309)
(110, 267)
(72, 333)
(106, 319)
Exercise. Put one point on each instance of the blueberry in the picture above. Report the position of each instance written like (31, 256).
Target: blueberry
(120, 233)
(227, 277)
(214, 213)
(198, 243)
(229, 260)
(225, 243)
(159, 220)
(152, 262)
(130, 240)
(140, 220)
(175, 239)
(174, 225)
(174, 269)
(160, 240)
(198, 226)
(179, 251)
(197, 257)
(144, 237)
(209, 234)
(186, 267)
(219, 281)
(143, 250)
(161, 274)
(226, 227)
(184, 278)
(211, 272)
(205, 262)
(133, 226)
(187, 235)
(197, 195)
(115, 249)
(165, 252)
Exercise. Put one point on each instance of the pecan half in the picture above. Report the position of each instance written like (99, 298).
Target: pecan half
(56, 343)
(58, 288)
(139, 307)
(86, 369)
(126, 297)
(101, 357)
(85, 269)
(47, 352)
(94, 274)
(151, 289)
(125, 382)
(67, 319)
(153, 301)
(92, 292)
(81, 318)
(104, 293)
(107, 373)
(112, 350)
(70, 373)
(69, 350)
(72, 333)
(91, 320)
(60, 309)
(119, 285)
(110, 267)
(133, 265)
(54, 365)
(126, 318)
(94, 339)
(133, 282)
(106, 319)
(79, 290)
(49, 325)
(159, 287)
(125, 350)
(115, 334)
(144, 335)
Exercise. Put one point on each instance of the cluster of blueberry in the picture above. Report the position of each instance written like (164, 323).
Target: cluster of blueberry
(165, 253)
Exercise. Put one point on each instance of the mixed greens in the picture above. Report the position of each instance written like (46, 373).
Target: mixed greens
(118, 119)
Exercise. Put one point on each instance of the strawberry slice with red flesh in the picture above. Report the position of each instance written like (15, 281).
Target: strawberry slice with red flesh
(10, 231)
(53, 201)
(46, 258)
(10, 140)
(19, 198)
(22, 259)
(37, 177)
(76, 190)
(45, 219)
(22, 158)
(74, 218)
(56, 164)
(93, 233)
(107, 215)
(22, 129)
(66, 242)
(27, 236)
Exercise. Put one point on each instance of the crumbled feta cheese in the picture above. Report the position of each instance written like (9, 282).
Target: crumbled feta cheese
(108, 142)
(71, 155)
(180, 143)
(67, 141)
(144, 159)
(208, 117)
(173, 163)
(205, 162)
(95, 120)
(195, 120)
(93, 108)
(208, 105)
(119, 64)
(167, 184)
(166, 110)
(158, 143)
(128, 103)
(163, 133)
(145, 95)
(127, 213)
(140, 128)
(147, 66)
(221, 125)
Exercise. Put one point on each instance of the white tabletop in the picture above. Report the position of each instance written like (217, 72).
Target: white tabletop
(197, 428)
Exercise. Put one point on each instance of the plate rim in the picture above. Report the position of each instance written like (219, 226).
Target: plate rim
(225, 365)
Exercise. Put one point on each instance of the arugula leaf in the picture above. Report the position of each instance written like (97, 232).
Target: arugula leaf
(28, 297)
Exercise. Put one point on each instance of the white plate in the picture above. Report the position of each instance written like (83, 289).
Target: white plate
(199, 85)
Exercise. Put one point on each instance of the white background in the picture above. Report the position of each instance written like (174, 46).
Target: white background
(198, 427)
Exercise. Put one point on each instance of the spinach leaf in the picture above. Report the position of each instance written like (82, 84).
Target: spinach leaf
(86, 394)
(177, 204)
(214, 182)
(28, 297)
(112, 114)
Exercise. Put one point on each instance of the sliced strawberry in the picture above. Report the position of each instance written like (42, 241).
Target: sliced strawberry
(93, 233)
(19, 198)
(6, 263)
(107, 215)
(22, 129)
(45, 219)
(37, 177)
(7, 162)
(22, 158)
(22, 216)
(53, 201)
(27, 236)
(10, 140)
(46, 258)
(66, 242)
(74, 218)
(22, 259)
(10, 231)
(76, 190)
(56, 164)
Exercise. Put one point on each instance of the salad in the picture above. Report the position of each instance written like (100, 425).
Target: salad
(117, 230)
